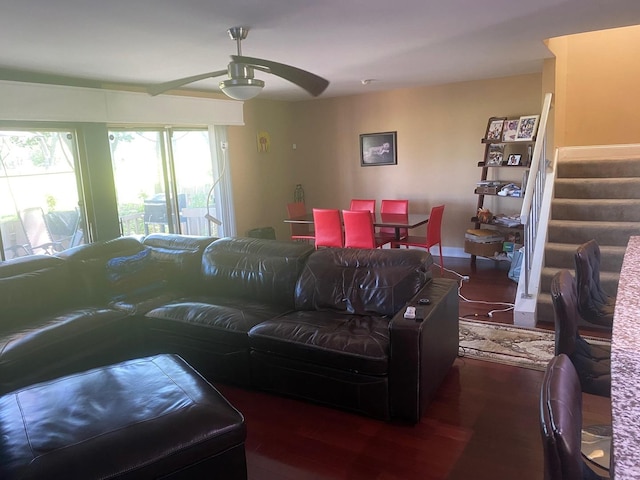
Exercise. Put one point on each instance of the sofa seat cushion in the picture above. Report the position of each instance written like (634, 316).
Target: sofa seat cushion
(229, 320)
(64, 329)
(357, 343)
(145, 302)
(49, 344)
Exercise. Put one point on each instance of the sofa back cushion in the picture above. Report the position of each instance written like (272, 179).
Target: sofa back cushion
(180, 257)
(110, 269)
(254, 268)
(33, 286)
(362, 281)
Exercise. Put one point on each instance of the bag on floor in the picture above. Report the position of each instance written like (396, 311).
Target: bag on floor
(516, 264)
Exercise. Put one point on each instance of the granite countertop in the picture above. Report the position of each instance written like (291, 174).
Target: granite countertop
(625, 367)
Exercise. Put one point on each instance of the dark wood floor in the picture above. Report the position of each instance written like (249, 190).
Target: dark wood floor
(483, 423)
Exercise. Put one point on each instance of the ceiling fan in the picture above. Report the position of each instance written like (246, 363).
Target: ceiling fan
(241, 85)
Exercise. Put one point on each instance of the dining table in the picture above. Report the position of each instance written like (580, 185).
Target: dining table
(625, 368)
(397, 221)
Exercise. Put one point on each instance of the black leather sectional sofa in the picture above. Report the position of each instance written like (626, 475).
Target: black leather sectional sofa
(323, 325)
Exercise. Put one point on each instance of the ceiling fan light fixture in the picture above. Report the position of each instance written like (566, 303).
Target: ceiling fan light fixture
(241, 88)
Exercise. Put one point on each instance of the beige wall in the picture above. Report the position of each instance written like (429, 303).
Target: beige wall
(263, 183)
(439, 131)
(597, 78)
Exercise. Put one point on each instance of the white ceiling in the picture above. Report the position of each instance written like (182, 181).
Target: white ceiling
(397, 43)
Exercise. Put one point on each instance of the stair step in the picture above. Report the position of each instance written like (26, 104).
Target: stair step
(597, 188)
(605, 233)
(544, 312)
(608, 280)
(545, 316)
(599, 168)
(561, 255)
(595, 199)
(612, 210)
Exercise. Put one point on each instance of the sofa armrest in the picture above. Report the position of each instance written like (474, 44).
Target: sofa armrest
(422, 351)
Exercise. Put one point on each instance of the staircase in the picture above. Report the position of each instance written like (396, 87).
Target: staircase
(596, 197)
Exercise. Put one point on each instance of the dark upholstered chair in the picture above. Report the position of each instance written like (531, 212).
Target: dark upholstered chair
(561, 423)
(592, 362)
(594, 304)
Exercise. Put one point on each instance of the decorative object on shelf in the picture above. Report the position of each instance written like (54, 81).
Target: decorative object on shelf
(514, 159)
(510, 130)
(488, 188)
(507, 221)
(494, 128)
(496, 154)
(264, 142)
(527, 126)
(485, 215)
(378, 149)
(510, 190)
(298, 194)
(478, 235)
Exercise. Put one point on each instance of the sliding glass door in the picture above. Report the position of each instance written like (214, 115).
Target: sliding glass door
(163, 181)
(39, 196)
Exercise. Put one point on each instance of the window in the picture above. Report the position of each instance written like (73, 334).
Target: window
(39, 195)
(164, 181)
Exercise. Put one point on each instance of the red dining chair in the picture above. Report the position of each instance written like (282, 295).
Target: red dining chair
(358, 204)
(358, 230)
(434, 235)
(394, 206)
(299, 231)
(328, 227)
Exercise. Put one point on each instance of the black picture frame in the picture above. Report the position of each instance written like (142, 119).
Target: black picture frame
(378, 149)
(514, 159)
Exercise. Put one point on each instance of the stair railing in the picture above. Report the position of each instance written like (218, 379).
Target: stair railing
(533, 198)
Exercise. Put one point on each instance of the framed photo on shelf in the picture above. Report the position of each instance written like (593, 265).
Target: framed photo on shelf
(514, 159)
(495, 155)
(494, 128)
(378, 149)
(527, 126)
(510, 130)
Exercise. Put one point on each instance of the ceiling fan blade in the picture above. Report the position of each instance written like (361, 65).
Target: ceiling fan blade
(163, 87)
(312, 83)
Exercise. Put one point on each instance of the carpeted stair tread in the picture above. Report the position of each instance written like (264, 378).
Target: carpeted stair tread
(627, 167)
(562, 255)
(613, 210)
(608, 280)
(594, 199)
(545, 309)
(597, 187)
(579, 232)
(545, 314)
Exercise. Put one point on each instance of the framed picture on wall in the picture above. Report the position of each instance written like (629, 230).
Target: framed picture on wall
(494, 129)
(378, 149)
(527, 126)
(495, 155)
(510, 130)
(514, 159)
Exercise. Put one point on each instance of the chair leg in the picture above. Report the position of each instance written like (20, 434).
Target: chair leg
(441, 261)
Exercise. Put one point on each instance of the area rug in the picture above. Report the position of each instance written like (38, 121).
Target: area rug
(522, 347)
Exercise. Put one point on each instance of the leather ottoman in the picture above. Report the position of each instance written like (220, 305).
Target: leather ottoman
(144, 418)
